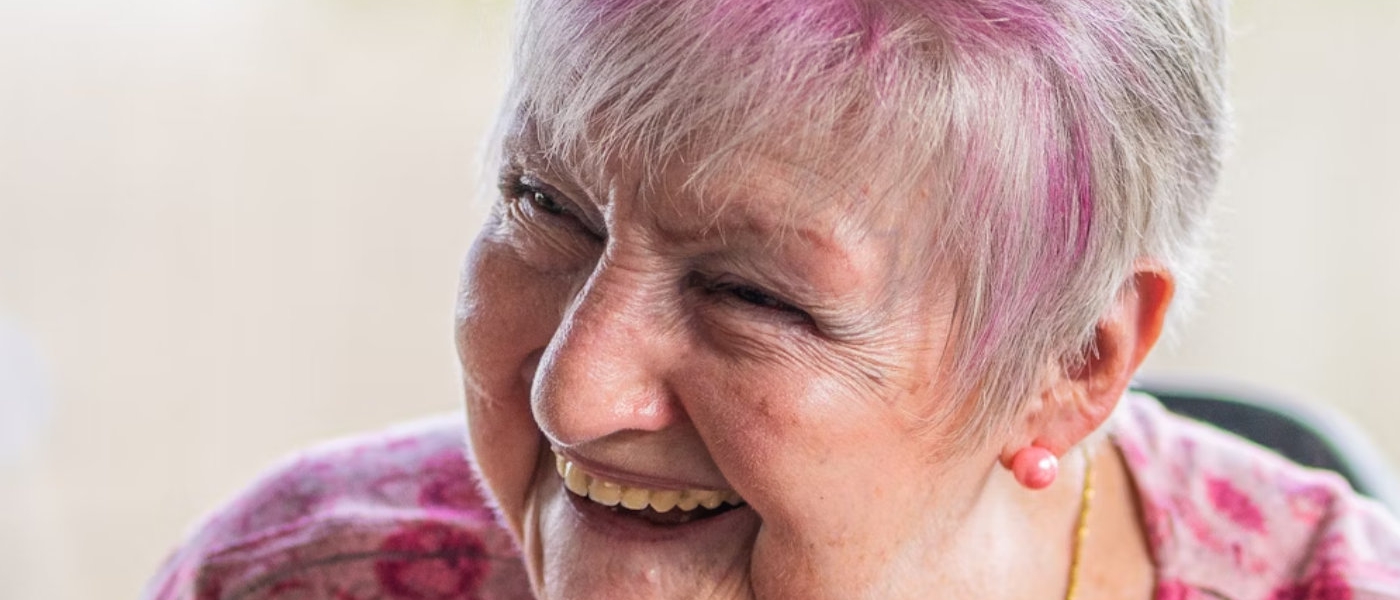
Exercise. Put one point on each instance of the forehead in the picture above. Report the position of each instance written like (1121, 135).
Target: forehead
(722, 184)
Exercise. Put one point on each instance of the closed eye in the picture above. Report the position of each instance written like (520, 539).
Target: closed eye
(755, 298)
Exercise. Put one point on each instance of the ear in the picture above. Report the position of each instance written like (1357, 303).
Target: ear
(1074, 400)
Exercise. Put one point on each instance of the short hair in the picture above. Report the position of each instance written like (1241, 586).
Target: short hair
(1058, 141)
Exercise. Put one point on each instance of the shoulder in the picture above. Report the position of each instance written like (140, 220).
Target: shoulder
(1231, 518)
(396, 514)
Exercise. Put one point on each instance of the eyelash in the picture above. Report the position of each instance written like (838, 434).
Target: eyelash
(755, 298)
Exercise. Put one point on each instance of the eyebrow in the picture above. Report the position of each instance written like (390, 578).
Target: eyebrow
(733, 219)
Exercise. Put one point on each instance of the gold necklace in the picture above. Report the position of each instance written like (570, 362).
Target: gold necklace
(1081, 529)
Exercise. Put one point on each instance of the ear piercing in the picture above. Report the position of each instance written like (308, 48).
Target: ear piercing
(1035, 467)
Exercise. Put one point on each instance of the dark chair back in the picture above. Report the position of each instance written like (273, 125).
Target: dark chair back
(1307, 434)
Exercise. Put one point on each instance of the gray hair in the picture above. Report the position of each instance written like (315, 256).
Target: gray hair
(1060, 141)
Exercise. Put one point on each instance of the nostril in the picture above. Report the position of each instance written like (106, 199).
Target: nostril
(529, 366)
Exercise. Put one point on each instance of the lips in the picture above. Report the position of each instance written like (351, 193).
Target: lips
(657, 505)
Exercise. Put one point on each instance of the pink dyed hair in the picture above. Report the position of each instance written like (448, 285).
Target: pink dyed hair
(1057, 141)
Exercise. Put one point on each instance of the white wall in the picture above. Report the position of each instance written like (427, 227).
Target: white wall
(230, 227)
(1306, 296)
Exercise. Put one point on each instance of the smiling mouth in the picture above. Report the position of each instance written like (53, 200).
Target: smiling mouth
(655, 506)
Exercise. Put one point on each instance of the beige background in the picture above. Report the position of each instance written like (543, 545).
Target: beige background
(230, 227)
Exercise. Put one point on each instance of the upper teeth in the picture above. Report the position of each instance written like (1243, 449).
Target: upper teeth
(609, 493)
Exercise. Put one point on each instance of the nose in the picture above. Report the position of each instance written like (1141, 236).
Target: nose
(603, 372)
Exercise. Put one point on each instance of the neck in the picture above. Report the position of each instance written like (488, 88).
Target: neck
(1116, 561)
(1015, 543)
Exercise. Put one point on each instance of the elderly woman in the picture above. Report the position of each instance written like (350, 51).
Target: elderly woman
(822, 299)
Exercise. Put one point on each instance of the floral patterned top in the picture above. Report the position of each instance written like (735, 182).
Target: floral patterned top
(399, 515)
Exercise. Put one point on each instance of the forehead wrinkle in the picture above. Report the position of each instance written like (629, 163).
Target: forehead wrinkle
(796, 190)
(766, 216)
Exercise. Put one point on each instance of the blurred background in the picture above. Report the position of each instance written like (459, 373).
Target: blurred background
(231, 227)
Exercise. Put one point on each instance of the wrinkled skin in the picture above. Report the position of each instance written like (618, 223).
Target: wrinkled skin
(787, 354)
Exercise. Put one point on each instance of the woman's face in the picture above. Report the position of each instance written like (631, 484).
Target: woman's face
(667, 353)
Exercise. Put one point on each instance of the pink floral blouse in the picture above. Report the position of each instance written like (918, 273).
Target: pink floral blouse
(399, 515)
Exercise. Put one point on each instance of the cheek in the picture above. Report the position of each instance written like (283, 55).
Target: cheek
(506, 316)
(806, 447)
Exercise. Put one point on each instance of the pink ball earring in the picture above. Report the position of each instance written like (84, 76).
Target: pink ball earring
(1035, 467)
